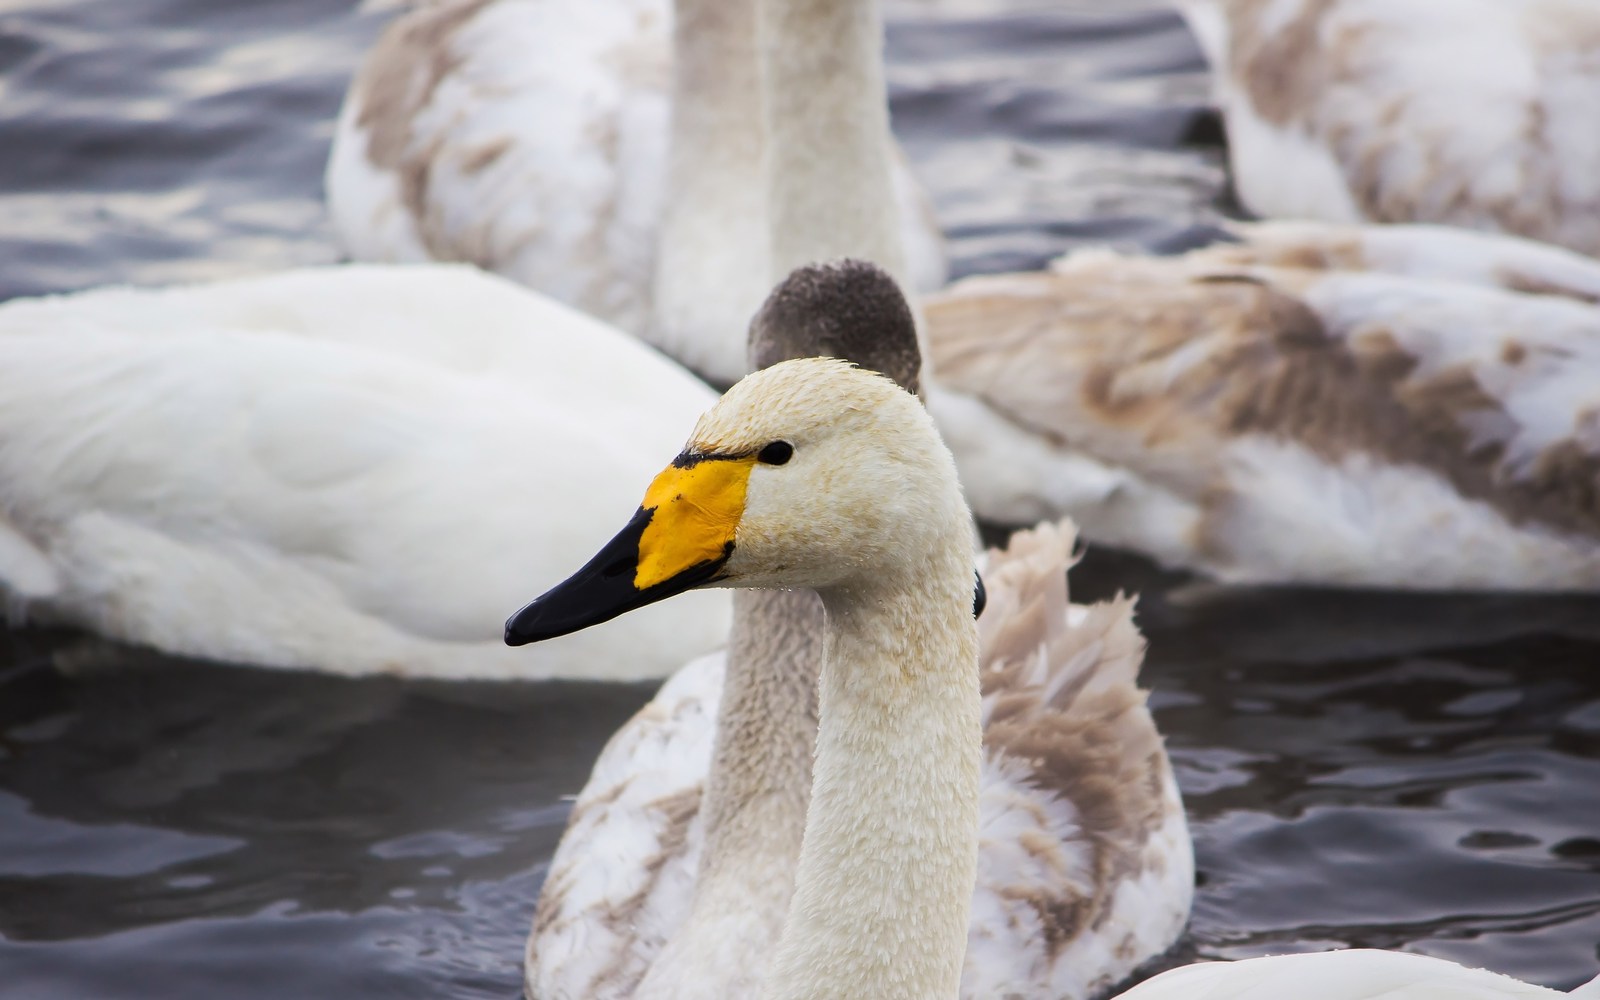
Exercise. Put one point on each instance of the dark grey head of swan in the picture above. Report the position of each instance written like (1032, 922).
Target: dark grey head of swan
(847, 309)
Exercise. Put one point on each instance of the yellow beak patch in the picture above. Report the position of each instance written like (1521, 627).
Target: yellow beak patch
(697, 510)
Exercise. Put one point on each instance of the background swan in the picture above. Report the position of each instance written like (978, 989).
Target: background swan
(531, 137)
(1278, 424)
(327, 468)
(1475, 113)
(1354, 974)
(1085, 868)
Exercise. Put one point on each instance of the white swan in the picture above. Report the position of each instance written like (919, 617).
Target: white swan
(1085, 868)
(1246, 411)
(1475, 113)
(1353, 974)
(815, 474)
(272, 470)
(531, 137)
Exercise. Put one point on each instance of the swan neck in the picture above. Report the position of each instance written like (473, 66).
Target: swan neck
(886, 873)
(711, 270)
(766, 723)
(754, 808)
(829, 157)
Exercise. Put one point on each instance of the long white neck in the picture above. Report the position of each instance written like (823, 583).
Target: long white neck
(829, 153)
(755, 801)
(830, 188)
(886, 873)
(711, 260)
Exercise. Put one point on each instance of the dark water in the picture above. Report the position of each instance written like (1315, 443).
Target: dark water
(1419, 772)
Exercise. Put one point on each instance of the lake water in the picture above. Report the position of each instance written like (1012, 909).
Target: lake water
(1365, 769)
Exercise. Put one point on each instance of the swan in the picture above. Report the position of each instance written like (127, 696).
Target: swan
(675, 871)
(813, 473)
(1264, 413)
(1351, 974)
(531, 137)
(270, 470)
(816, 474)
(1473, 113)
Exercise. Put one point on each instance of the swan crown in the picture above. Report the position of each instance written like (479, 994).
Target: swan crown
(843, 308)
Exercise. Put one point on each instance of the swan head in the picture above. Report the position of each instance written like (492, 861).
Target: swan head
(811, 473)
(844, 308)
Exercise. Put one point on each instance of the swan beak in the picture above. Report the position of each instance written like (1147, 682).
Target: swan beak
(680, 538)
(980, 596)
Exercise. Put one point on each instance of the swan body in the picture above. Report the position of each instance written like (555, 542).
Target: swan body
(1354, 974)
(1471, 113)
(1078, 813)
(1272, 424)
(531, 137)
(326, 468)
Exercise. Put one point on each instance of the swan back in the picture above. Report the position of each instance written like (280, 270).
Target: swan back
(1471, 113)
(526, 137)
(1085, 866)
(1442, 253)
(1222, 417)
(1352, 974)
(177, 455)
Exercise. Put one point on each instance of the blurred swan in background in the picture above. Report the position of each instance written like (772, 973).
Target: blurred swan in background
(675, 873)
(330, 468)
(1314, 404)
(531, 137)
(1473, 113)
(1352, 974)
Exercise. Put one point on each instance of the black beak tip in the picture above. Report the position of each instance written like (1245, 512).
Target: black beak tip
(517, 631)
(980, 597)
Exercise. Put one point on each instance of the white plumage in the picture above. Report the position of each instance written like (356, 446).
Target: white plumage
(1474, 113)
(358, 470)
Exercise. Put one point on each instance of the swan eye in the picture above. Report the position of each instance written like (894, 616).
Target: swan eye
(776, 453)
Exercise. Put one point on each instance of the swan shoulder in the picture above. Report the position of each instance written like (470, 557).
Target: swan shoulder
(1354, 974)
(526, 137)
(1490, 260)
(1469, 113)
(622, 878)
(1086, 869)
(450, 316)
(1267, 396)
